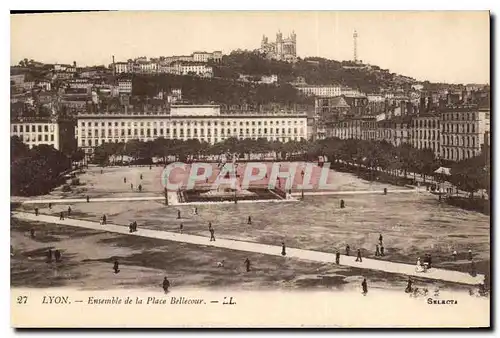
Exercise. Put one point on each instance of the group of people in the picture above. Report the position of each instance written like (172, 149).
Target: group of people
(57, 256)
(132, 227)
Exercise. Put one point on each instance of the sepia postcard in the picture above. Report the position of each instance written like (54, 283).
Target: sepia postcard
(260, 169)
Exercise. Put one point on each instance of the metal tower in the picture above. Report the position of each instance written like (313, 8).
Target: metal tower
(355, 38)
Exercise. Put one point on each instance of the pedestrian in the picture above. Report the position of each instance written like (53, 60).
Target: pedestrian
(473, 268)
(61, 216)
(358, 258)
(131, 227)
(195, 210)
(57, 256)
(364, 286)
(140, 187)
(103, 219)
(181, 227)
(69, 211)
(101, 171)
(209, 226)
(283, 249)
(409, 286)
(116, 267)
(166, 284)
(88, 199)
(36, 211)
(382, 253)
(49, 256)
(149, 167)
(342, 204)
(337, 257)
(178, 214)
(212, 236)
(50, 205)
(124, 180)
(377, 251)
(380, 239)
(470, 254)
(249, 220)
(385, 191)
(347, 249)
(247, 264)
(32, 233)
(454, 255)
(131, 186)
(141, 176)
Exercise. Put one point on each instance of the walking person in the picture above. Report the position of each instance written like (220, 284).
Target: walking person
(195, 211)
(249, 222)
(131, 186)
(49, 256)
(347, 249)
(103, 219)
(61, 216)
(178, 214)
(50, 206)
(337, 257)
(88, 199)
(116, 267)
(212, 236)
(364, 286)
(358, 258)
(181, 227)
(382, 253)
(131, 227)
(469, 254)
(140, 187)
(36, 211)
(283, 249)
(124, 180)
(342, 204)
(69, 211)
(247, 264)
(57, 256)
(141, 176)
(409, 286)
(165, 285)
(377, 250)
(380, 239)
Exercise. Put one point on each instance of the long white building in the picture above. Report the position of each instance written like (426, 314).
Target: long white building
(34, 133)
(203, 122)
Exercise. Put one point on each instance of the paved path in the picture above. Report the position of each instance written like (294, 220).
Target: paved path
(323, 257)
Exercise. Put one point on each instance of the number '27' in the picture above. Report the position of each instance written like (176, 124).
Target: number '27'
(22, 300)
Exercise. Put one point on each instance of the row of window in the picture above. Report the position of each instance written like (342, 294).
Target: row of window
(470, 127)
(97, 142)
(454, 154)
(32, 128)
(425, 124)
(188, 123)
(459, 116)
(36, 138)
(464, 141)
(154, 132)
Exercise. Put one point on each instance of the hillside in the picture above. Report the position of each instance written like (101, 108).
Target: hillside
(315, 70)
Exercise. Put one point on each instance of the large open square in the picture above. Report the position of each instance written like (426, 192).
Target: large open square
(315, 223)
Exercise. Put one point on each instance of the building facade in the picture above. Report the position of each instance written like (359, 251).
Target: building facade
(203, 122)
(462, 132)
(426, 133)
(34, 133)
(323, 91)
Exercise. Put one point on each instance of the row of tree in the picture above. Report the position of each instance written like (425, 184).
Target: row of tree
(469, 175)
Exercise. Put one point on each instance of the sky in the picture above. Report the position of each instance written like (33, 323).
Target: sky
(451, 47)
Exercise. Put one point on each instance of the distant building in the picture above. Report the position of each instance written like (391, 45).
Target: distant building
(284, 49)
(462, 131)
(37, 132)
(205, 56)
(17, 80)
(125, 86)
(320, 90)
